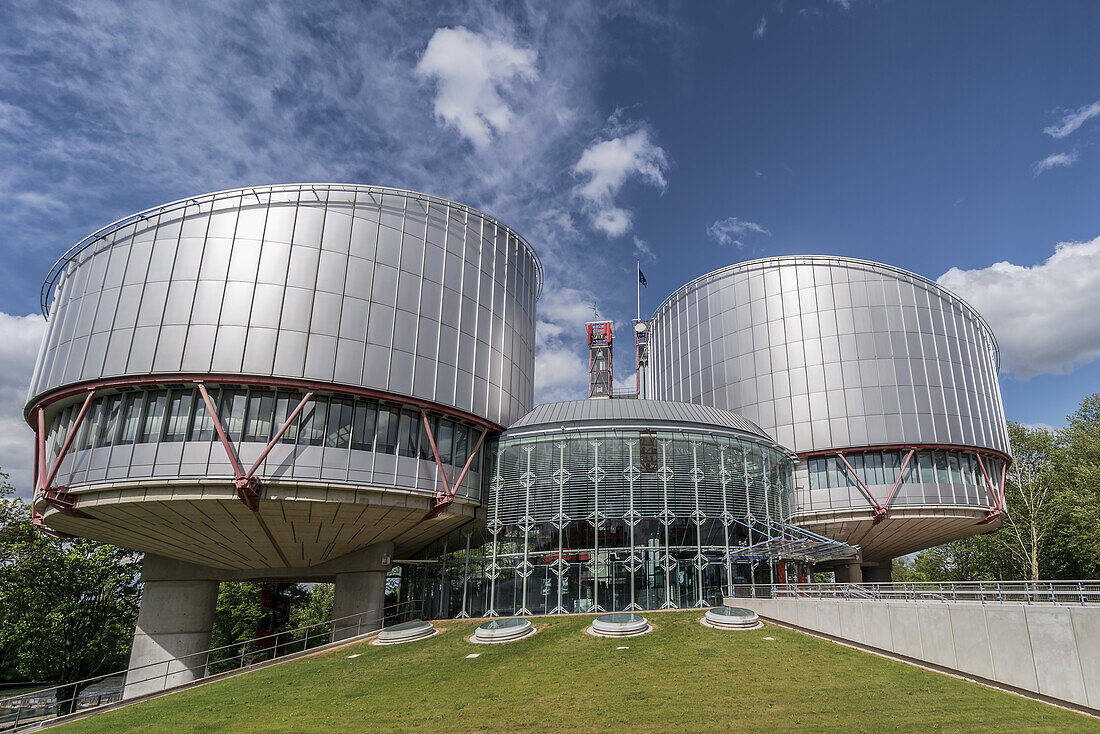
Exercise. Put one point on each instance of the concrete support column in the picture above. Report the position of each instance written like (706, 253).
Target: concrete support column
(360, 594)
(879, 573)
(850, 573)
(173, 627)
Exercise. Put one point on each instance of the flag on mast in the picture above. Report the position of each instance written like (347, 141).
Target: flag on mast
(641, 278)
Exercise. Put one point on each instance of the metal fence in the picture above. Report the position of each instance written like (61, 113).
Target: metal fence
(1078, 593)
(34, 708)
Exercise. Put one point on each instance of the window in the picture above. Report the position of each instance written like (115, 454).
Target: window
(338, 428)
(388, 419)
(231, 413)
(443, 440)
(153, 422)
(179, 415)
(313, 422)
(261, 413)
(202, 425)
(362, 430)
(460, 446)
(131, 418)
(408, 433)
(285, 404)
(107, 424)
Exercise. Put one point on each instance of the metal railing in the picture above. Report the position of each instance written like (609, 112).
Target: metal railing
(33, 708)
(1077, 593)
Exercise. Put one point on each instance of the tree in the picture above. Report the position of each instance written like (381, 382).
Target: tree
(67, 607)
(1032, 494)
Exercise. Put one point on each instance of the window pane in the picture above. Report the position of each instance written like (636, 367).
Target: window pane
(202, 425)
(460, 444)
(941, 468)
(338, 427)
(179, 415)
(91, 424)
(261, 412)
(285, 403)
(362, 434)
(927, 473)
(408, 433)
(153, 424)
(425, 445)
(231, 413)
(108, 425)
(313, 422)
(443, 440)
(131, 417)
(387, 430)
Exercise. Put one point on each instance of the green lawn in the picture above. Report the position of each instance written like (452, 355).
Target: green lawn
(681, 677)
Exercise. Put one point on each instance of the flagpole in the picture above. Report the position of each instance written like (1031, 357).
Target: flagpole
(638, 287)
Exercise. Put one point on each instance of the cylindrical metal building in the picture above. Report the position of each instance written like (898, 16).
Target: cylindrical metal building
(279, 382)
(860, 368)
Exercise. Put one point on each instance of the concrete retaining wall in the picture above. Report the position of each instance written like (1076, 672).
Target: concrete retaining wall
(1050, 650)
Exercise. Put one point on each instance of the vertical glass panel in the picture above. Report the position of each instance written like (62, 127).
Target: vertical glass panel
(131, 418)
(107, 425)
(362, 432)
(425, 445)
(285, 403)
(388, 420)
(202, 425)
(179, 414)
(953, 467)
(460, 447)
(443, 440)
(261, 414)
(231, 413)
(408, 433)
(153, 423)
(941, 468)
(927, 473)
(313, 422)
(338, 426)
(91, 424)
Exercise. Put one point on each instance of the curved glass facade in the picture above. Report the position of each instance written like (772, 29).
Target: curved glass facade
(611, 519)
(167, 432)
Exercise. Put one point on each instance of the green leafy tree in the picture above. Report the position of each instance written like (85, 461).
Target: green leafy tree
(1034, 496)
(67, 607)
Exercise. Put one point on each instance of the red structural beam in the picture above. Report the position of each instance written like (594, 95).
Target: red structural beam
(279, 434)
(447, 497)
(906, 446)
(68, 439)
(880, 511)
(897, 482)
(247, 486)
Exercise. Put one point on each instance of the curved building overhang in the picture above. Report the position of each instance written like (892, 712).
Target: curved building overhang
(100, 234)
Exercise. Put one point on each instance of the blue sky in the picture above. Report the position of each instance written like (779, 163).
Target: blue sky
(957, 140)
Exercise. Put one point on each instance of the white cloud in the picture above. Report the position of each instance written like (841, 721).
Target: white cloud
(734, 231)
(1044, 315)
(1073, 119)
(561, 364)
(761, 27)
(20, 337)
(471, 70)
(643, 250)
(608, 165)
(1055, 160)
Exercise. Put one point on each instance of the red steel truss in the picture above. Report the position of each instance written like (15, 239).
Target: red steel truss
(447, 496)
(248, 483)
(879, 510)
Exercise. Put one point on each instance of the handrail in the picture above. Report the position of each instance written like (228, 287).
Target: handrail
(176, 666)
(1077, 592)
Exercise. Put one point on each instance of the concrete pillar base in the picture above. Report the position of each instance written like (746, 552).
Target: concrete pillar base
(360, 596)
(879, 573)
(173, 628)
(851, 573)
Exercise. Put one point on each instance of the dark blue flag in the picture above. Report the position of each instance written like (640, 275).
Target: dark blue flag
(641, 277)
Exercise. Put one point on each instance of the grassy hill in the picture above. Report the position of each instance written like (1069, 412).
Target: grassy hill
(682, 677)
